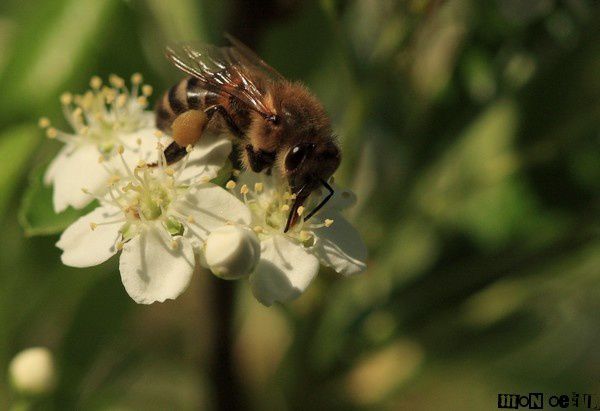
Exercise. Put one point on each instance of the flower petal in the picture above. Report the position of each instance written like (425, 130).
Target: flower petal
(84, 247)
(55, 164)
(207, 157)
(78, 168)
(151, 270)
(340, 246)
(284, 271)
(140, 145)
(211, 207)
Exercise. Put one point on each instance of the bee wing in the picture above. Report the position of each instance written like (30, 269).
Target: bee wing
(226, 70)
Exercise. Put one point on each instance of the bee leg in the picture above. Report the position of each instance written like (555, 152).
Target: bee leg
(235, 130)
(174, 152)
(259, 160)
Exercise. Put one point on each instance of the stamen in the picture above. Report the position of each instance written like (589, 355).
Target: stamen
(96, 83)
(258, 229)
(230, 185)
(66, 98)
(300, 210)
(191, 219)
(93, 226)
(285, 207)
(147, 90)
(51, 132)
(43, 122)
(244, 189)
(142, 101)
(169, 171)
(174, 244)
(328, 222)
(236, 173)
(258, 187)
(120, 245)
(158, 134)
(116, 81)
(136, 79)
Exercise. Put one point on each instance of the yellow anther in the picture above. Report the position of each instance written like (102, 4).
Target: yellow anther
(236, 173)
(258, 187)
(137, 78)
(147, 90)
(121, 100)
(158, 133)
(85, 190)
(51, 132)
(328, 222)
(120, 245)
(101, 159)
(113, 179)
(116, 81)
(93, 226)
(109, 94)
(142, 101)
(244, 189)
(189, 148)
(258, 229)
(139, 141)
(191, 219)
(120, 149)
(285, 207)
(169, 171)
(300, 210)
(88, 100)
(230, 185)
(77, 112)
(43, 122)
(204, 179)
(174, 244)
(96, 83)
(141, 164)
(305, 235)
(66, 98)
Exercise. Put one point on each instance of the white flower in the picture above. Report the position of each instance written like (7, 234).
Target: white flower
(289, 261)
(102, 119)
(32, 371)
(156, 215)
(232, 252)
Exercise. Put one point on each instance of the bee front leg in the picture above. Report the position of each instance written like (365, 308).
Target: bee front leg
(260, 159)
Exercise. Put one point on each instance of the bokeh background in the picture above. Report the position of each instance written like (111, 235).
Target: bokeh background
(471, 135)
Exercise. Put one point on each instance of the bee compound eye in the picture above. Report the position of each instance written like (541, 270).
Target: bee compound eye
(296, 155)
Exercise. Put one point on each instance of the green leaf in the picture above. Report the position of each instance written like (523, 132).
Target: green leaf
(16, 144)
(37, 216)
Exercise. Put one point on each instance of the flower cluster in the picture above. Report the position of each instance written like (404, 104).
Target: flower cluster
(165, 219)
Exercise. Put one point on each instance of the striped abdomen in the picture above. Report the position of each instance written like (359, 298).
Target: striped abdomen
(183, 96)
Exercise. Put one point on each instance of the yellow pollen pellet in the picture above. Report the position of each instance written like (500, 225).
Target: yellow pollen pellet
(66, 98)
(43, 122)
(137, 78)
(142, 101)
(230, 185)
(169, 171)
(96, 83)
(120, 245)
(258, 187)
(120, 149)
(285, 207)
(300, 210)
(258, 229)
(51, 132)
(328, 222)
(93, 226)
(244, 189)
(147, 90)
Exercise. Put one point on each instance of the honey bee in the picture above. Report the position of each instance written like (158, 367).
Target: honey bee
(277, 125)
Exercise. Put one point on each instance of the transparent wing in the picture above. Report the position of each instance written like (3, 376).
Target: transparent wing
(235, 71)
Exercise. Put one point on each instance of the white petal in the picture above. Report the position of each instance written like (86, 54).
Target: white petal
(145, 150)
(84, 247)
(342, 198)
(151, 270)
(56, 163)
(341, 247)
(284, 271)
(78, 169)
(207, 157)
(211, 207)
(232, 252)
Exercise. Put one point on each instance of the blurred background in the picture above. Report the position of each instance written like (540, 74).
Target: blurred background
(471, 135)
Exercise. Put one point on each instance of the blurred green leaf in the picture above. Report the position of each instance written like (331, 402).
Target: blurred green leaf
(37, 216)
(15, 144)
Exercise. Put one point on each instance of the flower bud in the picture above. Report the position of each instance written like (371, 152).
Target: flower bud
(232, 252)
(32, 371)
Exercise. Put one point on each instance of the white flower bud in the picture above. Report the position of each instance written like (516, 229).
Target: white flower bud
(232, 252)
(32, 371)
